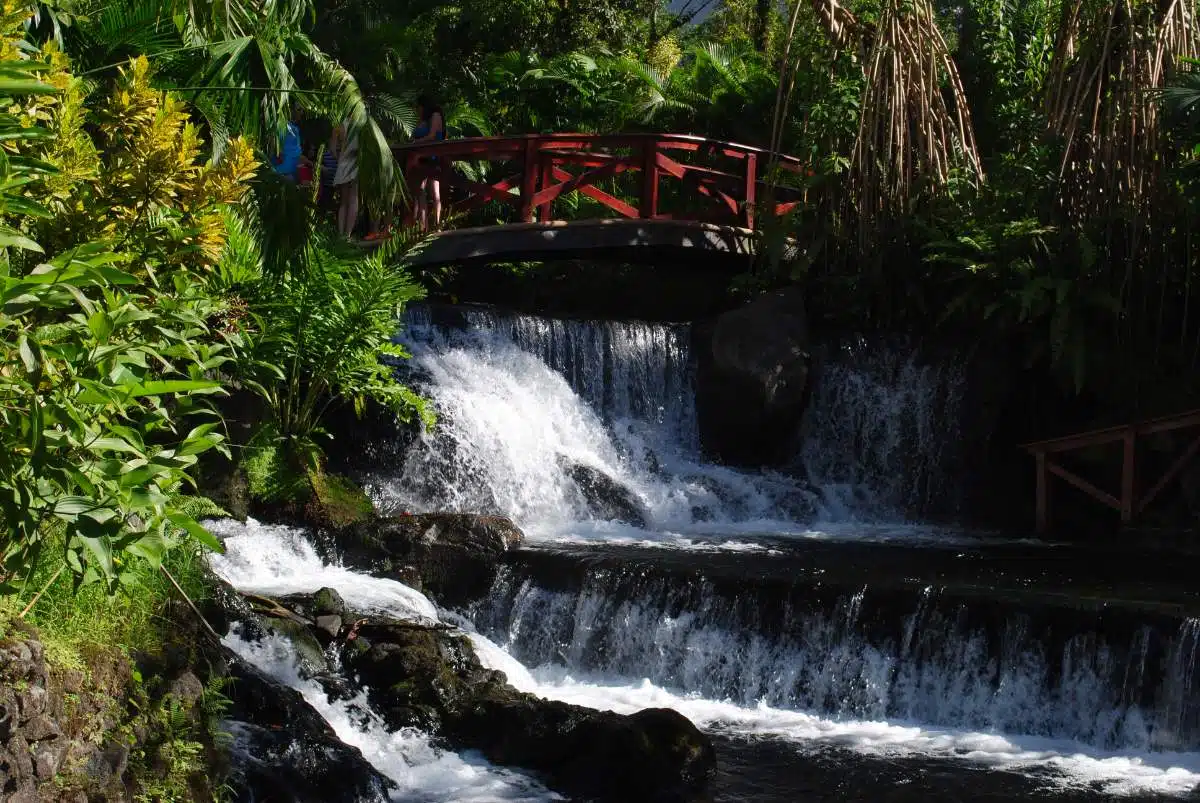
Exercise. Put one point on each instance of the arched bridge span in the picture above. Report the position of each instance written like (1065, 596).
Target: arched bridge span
(625, 196)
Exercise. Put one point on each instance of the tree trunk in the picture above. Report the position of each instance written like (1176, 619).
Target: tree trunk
(762, 24)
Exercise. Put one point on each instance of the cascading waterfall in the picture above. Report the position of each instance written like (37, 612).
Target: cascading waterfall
(513, 429)
(279, 560)
(1106, 704)
(524, 399)
(880, 433)
(862, 656)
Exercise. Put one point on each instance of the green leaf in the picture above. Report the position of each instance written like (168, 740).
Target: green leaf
(28, 357)
(163, 387)
(201, 535)
(101, 325)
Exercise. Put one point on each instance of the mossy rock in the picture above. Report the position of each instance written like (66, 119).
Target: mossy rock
(336, 501)
(312, 656)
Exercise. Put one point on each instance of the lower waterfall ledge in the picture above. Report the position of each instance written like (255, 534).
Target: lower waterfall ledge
(429, 677)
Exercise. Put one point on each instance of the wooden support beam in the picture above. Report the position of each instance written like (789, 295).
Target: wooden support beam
(1100, 496)
(1128, 475)
(573, 183)
(1097, 437)
(1171, 473)
(529, 178)
(546, 209)
(649, 205)
(749, 198)
(596, 194)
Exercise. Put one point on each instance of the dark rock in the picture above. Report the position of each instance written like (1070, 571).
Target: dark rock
(605, 497)
(455, 554)
(287, 752)
(186, 688)
(40, 728)
(48, 757)
(108, 764)
(31, 701)
(308, 649)
(17, 749)
(329, 626)
(432, 678)
(752, 379)
(26, 794)
(328, 601)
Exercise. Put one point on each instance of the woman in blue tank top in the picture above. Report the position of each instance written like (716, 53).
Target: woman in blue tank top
(432, 128)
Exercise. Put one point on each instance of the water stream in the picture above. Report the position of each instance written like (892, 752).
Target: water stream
(833, 647)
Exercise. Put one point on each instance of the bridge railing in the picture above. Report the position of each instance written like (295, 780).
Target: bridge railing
(718, 182)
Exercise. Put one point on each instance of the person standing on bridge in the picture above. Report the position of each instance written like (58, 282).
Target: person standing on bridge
(346, 181)
(287, 162)
(432, 128)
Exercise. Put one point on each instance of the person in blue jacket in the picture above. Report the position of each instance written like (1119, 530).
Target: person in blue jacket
(288, 162)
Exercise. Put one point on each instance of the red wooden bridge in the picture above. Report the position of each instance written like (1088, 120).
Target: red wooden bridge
(566, 195)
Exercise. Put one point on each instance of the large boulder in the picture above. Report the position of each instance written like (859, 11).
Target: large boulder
(752, 379)
(286, 752)
(453, 557)
(430, 678)
(605, 498)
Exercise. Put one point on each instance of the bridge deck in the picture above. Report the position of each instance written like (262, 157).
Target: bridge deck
(634, 240)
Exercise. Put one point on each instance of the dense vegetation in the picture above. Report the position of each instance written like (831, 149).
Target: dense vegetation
(1022, 171)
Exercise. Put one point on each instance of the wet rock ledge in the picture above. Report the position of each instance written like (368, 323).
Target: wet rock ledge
(427, 675)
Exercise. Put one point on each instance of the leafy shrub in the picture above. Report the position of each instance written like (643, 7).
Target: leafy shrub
(108, 352)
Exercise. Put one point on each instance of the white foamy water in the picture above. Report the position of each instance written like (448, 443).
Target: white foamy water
(1068, 765)
(274, 557)
(511, 427)
(423, 773)
(522, 399)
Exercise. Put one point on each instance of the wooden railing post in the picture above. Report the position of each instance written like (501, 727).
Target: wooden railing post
(751, 190)
(529, 179)
(1128, 461)
(649, 206)
(412, 183)
(546, 180)
(1043, 493)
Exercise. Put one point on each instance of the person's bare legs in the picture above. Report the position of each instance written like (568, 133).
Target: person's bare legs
(348, 211)
(422, 206)
(435, 190)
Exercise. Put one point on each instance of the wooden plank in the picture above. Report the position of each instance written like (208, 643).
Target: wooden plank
(1098, 437)
(596, 194)
(1083, 485)
(1128, 475)
(1171, 473)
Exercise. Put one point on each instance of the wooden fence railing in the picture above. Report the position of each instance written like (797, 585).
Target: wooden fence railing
(1128, 502)
(719, 182)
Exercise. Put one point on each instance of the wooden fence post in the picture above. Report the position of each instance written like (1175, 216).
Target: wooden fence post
(649, 205)
(412, 183)
(751, 190)
(529, 178)
(1128, 462)
(546, 164)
